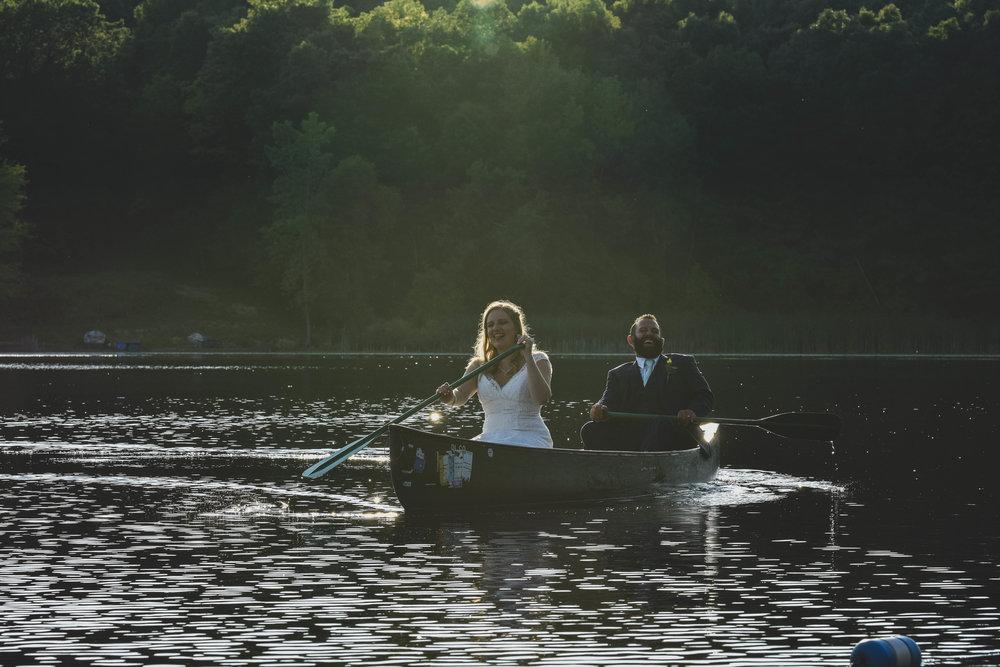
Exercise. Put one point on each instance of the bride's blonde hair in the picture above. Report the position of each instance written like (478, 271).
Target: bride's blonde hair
(484, 350)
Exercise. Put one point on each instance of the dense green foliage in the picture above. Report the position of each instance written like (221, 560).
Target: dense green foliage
(392, 167)
(12, 229)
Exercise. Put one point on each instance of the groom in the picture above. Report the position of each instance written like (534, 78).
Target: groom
(654, 383)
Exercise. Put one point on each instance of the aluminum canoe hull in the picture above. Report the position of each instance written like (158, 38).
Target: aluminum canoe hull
(443, 473)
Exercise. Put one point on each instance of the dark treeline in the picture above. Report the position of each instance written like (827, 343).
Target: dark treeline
(772, 173)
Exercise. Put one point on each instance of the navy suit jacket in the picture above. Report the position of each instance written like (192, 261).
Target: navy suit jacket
(676, 379)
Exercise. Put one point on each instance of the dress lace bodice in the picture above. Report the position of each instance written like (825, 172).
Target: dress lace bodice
(511, 416)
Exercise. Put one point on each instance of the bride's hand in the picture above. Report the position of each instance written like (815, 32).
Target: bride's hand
(446, 393)
(529, 345)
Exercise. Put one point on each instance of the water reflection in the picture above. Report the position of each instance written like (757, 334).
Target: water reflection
(148, 516)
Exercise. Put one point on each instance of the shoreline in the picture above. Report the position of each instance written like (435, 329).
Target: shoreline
(76, 354)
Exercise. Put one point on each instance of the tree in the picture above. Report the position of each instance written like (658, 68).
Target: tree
(270, 65)
(302, 161)
(331, 219)
(54, 56)
(12, 228)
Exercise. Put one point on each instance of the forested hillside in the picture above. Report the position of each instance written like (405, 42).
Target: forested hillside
(790, 175)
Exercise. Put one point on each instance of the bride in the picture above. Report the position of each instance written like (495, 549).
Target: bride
(513, 391)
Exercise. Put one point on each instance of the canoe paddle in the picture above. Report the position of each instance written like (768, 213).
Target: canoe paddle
(799, 425)
(333, 460)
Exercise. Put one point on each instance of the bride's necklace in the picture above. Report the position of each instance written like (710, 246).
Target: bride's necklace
(506, 370)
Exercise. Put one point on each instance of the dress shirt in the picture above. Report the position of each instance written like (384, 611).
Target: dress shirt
(646, 367)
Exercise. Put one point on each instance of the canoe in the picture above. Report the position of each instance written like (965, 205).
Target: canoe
(433, 472)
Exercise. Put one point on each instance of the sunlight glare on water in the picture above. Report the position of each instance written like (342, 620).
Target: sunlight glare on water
(153, 516)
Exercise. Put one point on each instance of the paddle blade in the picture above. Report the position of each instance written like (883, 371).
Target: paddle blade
(803, 425)
(324, 466)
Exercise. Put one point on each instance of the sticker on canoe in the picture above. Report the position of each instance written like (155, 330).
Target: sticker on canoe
(455, 467)
(419, 462)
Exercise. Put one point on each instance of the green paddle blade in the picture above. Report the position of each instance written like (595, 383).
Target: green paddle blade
(320, 468)
(803, 425)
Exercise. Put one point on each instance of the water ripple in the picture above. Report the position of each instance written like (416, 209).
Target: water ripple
(156, 515)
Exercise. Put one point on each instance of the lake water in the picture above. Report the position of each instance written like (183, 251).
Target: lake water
(152, 512)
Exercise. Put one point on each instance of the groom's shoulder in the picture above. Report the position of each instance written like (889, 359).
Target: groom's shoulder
(622, 367)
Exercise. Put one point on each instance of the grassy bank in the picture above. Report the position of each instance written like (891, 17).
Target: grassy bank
(159, 310)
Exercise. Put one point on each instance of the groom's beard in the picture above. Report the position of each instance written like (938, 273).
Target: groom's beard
(649, 347)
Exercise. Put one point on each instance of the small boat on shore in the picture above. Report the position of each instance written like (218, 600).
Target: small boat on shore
(442, 473)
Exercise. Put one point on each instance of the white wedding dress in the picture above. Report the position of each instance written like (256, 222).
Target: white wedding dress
(511, 417)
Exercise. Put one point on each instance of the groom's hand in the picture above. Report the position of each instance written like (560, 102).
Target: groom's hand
(598, 412)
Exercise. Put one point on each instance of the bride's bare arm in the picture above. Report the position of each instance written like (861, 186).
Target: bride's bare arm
(539, 380)
(539, 372)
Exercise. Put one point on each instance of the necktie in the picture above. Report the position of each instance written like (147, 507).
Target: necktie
(647, 369)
